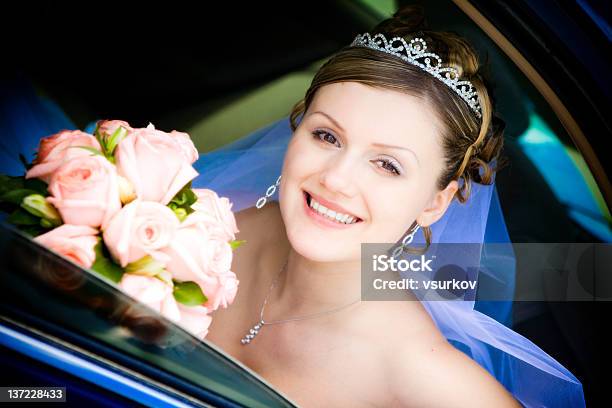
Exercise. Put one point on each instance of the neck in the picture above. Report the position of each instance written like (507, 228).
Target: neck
(310, 287)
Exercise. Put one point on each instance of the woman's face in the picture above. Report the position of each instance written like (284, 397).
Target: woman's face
(342, 153)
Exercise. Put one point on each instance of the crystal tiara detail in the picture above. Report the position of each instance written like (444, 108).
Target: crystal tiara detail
(414, 53)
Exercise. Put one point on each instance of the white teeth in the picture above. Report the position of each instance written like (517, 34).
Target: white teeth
(336, 216)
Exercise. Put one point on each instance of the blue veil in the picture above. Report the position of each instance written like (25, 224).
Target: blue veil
(245, 169)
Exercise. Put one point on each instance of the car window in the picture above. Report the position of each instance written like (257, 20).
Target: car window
(53, 295)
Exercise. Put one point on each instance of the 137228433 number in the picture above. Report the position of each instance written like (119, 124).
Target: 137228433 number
(14, 394)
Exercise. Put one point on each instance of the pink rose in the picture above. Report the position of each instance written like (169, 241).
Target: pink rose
(85, 191)
(158, 296)
(152, 292)
(220, 209)
(155, 163)
(59, 148)
(223, 292)
(75, 242)
(195, 319)
(219, 253)
(196, 254)
(108, 127)
(184, 140)
(140, 228)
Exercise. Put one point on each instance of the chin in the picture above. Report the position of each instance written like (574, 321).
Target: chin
(318, 247)
(316, 252)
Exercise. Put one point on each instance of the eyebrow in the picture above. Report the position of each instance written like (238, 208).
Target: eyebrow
(332, 120)
(373, 144)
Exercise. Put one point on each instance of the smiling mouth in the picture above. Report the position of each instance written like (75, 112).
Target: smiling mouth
(308, 200)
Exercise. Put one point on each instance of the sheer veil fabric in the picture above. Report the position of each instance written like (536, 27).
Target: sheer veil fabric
(245, 169)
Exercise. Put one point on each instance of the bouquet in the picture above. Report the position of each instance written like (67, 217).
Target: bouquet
(120, 203)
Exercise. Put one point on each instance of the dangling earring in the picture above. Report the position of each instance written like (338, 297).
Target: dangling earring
(269, 193)
(405, 242)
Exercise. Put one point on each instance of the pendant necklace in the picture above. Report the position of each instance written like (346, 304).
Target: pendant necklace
(259, 325)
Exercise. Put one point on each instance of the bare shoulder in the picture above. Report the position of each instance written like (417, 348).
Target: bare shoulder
(430, 371)
(421, 367)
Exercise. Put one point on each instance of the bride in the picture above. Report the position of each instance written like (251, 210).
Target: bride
(382, 148)
(392, 139)
(367, 353)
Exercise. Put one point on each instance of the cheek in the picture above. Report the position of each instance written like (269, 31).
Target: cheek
(390, 213)
(301, 160)
(393, 211)
(294, 174)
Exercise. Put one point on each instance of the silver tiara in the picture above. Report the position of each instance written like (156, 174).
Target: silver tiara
(414, 53)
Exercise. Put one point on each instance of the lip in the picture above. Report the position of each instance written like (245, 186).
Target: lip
(331, 206)
(321, 220)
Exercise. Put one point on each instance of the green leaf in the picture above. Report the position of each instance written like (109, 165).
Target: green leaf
(146, 266)
(101, 139)
(192, 198)
(189, 293)
(37, 185)
(182, 201)
(45, 223)
(104, 266)
(181, 213)
(114, 140)
(185, 197)
(16, 196)
(236, 243)
(38, 206)
(10, 183)
(22, 217)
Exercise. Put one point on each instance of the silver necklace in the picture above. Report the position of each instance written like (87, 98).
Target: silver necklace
(255, 329)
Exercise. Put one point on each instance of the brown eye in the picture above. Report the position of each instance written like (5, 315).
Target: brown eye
(389, 166)
(325, 137)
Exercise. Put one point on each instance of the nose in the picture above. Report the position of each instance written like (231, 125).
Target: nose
(339, 177)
